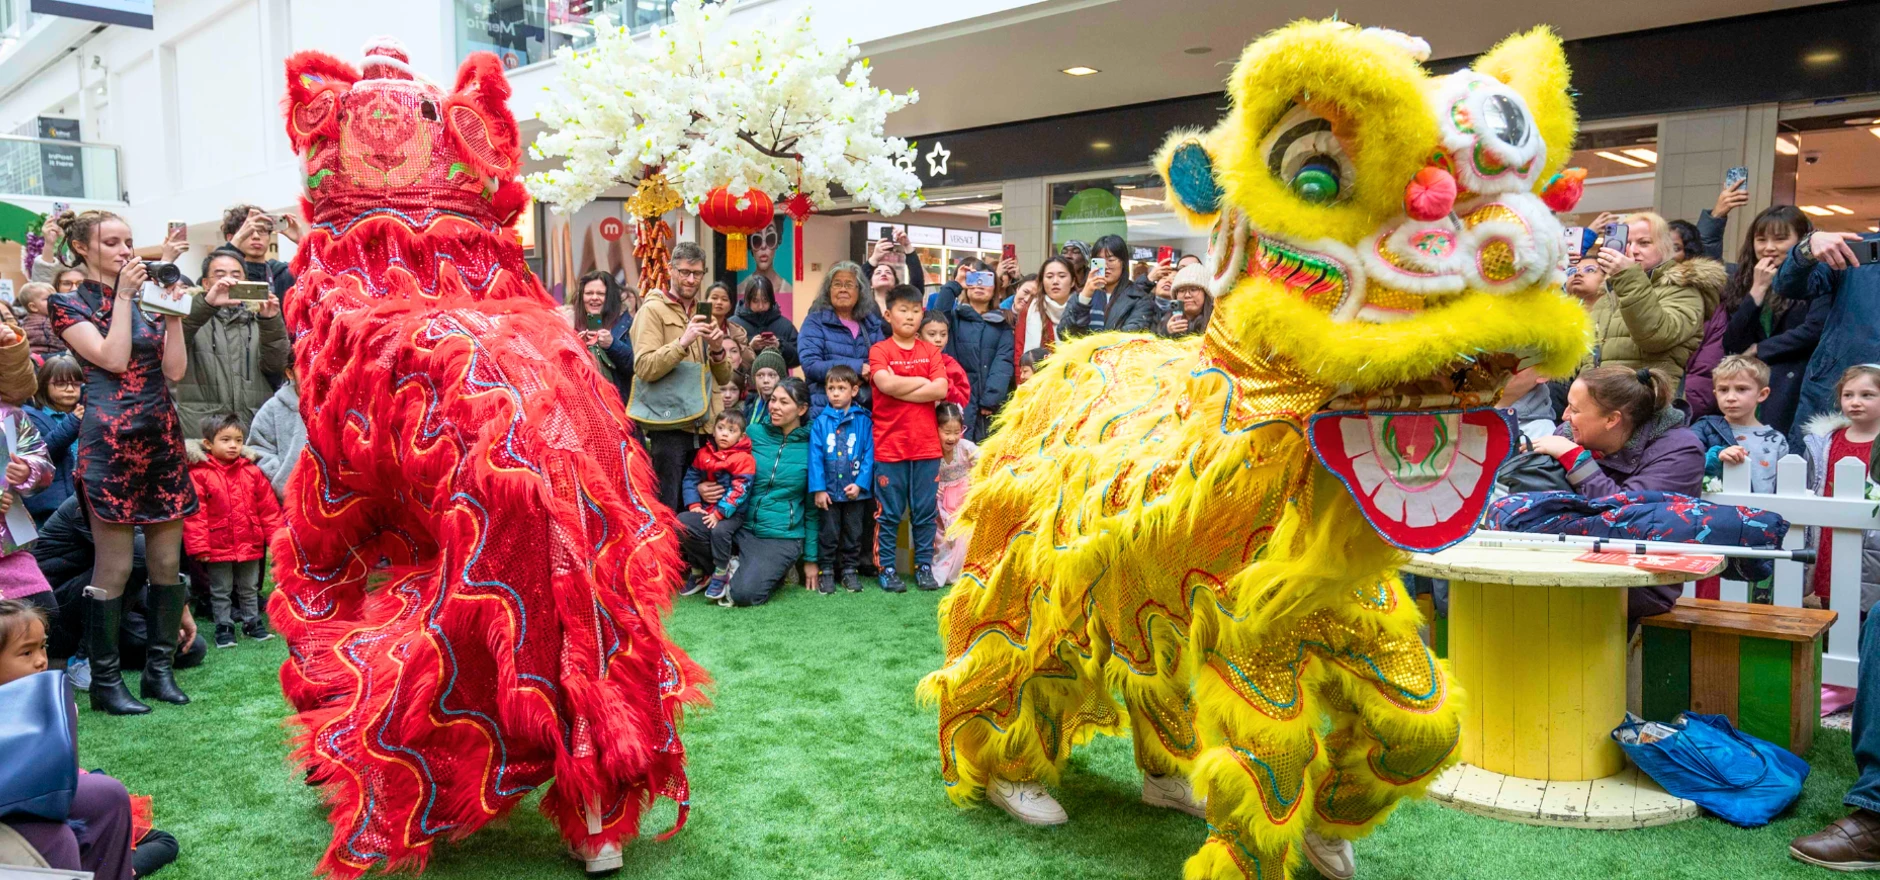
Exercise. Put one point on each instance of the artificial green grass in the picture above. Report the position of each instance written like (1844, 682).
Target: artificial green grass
(816, 762)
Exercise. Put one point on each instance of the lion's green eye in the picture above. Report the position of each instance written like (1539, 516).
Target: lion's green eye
(1317, 181)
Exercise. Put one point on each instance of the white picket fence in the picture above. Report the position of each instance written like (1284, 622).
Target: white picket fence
(1848, 512)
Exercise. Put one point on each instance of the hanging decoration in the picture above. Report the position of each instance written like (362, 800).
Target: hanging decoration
(799, 209)
(771, 108)
(653, 197)
(737, 216)
(652, 250)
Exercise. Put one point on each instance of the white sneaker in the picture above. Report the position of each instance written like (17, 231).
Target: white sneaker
(1173, 792)
(1028, 802)
(1334, 858)
(606, 860)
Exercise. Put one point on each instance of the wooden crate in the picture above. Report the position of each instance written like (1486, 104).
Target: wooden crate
(1760, 665)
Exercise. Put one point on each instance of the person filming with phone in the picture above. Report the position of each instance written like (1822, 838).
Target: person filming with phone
(1109, 300)
(1652, 316)
(236, 338)
(1845, 267)
(132, 468)
(249, 232)
(671, 329)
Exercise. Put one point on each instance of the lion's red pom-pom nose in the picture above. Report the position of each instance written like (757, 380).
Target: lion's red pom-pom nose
(1431, 194)
(386, 58)
(1563, 192)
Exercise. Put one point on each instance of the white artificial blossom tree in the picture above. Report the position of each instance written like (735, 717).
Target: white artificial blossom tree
(772, 108)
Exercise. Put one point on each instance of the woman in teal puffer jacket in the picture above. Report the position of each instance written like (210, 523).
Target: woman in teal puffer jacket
(782, 524)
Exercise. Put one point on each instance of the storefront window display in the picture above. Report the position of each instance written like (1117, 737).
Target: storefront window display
(523, 32)
(1128, 205)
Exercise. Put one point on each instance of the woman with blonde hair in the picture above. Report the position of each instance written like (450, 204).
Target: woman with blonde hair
(1653, 317)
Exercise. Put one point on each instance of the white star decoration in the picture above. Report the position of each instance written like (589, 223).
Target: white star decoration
(905, 160)
(937, 160)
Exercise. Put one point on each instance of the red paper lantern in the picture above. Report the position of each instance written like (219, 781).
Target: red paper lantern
(722, 211)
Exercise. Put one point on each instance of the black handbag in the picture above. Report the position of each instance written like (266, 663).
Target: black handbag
(1530, 471)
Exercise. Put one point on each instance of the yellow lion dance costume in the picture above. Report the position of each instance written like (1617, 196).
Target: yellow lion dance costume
(1211, 528)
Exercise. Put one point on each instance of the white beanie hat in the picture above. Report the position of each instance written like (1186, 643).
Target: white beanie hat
(1192, 275)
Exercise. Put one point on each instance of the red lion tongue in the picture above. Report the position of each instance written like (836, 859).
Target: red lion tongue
(1421, 479)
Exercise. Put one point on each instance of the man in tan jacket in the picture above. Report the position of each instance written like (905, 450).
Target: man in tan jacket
(667, 332)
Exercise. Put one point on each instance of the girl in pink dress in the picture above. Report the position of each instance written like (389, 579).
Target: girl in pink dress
(957, 455)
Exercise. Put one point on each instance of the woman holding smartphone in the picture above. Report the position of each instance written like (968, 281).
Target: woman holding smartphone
(599, 316)
(1111, 301)
(131, 468)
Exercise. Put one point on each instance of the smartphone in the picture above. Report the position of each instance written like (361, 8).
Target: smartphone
(1616, 236)
(60, 208)
(1165, 254)
(1097, 268)
(253, 294)
(169, 230)
(1577, 240)
(979, 279)
(1009, 252)
(703, 309)
(1735, 176)
(1868, 250)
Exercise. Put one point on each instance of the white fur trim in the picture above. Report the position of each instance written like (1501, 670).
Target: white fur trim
(1458, 101)
(1227, 251)
(1418, 47)
(1823, 424)
(1534, 237)
(1434, 256)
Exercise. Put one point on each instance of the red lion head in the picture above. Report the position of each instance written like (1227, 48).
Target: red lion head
(387, 142)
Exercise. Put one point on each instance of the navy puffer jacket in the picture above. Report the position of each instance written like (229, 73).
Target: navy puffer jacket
(824, 343)
(983, 346)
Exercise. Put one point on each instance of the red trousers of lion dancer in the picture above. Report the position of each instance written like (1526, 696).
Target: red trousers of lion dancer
(473, 567)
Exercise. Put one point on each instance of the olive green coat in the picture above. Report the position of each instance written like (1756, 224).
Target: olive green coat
(1655, 320)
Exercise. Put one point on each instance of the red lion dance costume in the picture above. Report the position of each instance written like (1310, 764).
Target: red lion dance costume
(473, 567)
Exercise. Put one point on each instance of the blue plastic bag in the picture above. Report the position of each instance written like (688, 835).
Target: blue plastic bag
(1743, 780)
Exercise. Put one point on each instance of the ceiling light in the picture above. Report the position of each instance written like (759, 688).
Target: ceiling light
(1647, 155)
(1124, 185)
(1839, 210)
(1623, 160)
(1858, 120)
(1873, 229)
(1099, 145)
(1787, 147)
(1080, 71)
(1821, 57)
(1816, 210)
(1197, 50)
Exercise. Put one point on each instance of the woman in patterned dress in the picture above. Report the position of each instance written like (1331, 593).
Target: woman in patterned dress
(131, 468)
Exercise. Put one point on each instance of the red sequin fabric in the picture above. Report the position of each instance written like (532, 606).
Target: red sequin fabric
(474, 564)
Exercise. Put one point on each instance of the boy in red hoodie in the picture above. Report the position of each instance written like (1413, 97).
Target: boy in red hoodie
(934, 329)
(236, 514)
(716, 486)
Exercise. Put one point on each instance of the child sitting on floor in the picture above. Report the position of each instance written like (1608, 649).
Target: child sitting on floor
(236, 515)
(957, 456)
(723, 469)
(1735, 436)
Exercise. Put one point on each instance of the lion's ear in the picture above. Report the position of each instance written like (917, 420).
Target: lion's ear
(315, 82)
(1534, 64)
(477, 113)
(1187, 168)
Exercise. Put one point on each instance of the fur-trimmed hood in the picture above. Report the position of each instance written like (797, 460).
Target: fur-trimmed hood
(197, 455)
(1823, 424)
(1703, 274)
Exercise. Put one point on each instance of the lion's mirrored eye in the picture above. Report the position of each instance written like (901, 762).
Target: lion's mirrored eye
(1504, 119)
(428, 110)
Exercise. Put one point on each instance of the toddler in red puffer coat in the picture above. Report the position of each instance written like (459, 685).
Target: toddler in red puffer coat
(229, 531)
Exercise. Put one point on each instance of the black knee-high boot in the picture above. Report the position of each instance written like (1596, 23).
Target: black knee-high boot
(164, 607)
(103, 620)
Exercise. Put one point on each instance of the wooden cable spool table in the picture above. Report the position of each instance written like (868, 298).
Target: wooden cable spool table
(1537, 644)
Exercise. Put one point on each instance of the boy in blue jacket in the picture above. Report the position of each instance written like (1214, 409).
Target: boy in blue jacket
(842, 462)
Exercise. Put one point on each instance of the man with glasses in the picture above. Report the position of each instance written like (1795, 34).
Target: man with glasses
(668, 331)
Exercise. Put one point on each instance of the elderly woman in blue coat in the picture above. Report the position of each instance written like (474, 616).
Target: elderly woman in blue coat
(840, 327)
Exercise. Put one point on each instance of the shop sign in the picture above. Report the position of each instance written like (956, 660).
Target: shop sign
(129, 13)
(612, 228)
(991, 241)
(926, 236)
(962, 238)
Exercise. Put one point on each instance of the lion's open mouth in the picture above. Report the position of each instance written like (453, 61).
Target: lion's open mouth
(1420, 458)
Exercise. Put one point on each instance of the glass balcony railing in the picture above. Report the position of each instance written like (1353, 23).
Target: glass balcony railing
(523, 32)
(58, 169)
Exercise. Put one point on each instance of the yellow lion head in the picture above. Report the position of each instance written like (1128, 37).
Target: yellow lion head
(1382, 229)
